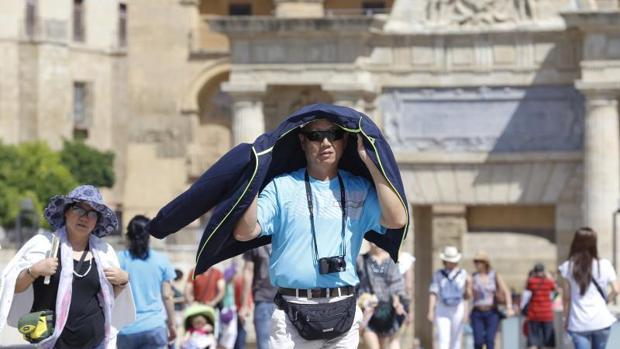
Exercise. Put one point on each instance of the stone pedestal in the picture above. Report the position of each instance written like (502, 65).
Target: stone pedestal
(601, 165)
(248, 117)
(299, 8)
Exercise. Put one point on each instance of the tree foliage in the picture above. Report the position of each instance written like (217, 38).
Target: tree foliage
(33, 171)
(30, 171)
(87, 164)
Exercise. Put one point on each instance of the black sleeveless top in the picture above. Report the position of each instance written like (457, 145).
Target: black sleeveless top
(85, 327)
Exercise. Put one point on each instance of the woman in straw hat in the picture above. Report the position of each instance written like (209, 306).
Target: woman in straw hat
(81, 284)
(449, 292)
(488, 289)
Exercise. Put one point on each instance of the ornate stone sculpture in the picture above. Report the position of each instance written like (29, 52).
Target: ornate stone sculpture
(479, 12)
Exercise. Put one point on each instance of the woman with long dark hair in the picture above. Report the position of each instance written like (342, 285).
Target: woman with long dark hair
(151, 277)
(587, 279)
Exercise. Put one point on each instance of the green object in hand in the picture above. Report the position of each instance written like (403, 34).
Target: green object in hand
(36, 326)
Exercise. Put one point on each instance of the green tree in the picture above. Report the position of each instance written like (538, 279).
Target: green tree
(30, 170)
(88, 165)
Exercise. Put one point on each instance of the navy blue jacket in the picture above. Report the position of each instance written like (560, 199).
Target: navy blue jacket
(233, 181)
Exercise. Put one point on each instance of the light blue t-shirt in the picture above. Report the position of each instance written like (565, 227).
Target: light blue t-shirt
(147, 277)
(283, 214)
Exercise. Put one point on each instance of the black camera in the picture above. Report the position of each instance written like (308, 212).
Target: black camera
(328, 265)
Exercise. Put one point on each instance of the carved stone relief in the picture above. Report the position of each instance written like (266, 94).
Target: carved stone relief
(498, 119)
(479, 12)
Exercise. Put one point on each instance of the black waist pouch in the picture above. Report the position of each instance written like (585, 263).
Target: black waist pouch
(319, 321)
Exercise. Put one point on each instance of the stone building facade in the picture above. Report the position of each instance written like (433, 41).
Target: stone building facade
(63, 73)
(503, 114)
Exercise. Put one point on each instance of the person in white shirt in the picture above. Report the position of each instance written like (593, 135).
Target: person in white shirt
(586, 282)
(449, 292)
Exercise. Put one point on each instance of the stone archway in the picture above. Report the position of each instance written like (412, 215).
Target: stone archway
(190, 99)
(210, 108)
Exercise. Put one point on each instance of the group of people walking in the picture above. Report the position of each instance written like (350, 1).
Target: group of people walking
(452, 291)
(310, 287)
(588, 283)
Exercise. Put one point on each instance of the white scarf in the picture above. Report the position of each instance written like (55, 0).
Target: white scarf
(118, 311)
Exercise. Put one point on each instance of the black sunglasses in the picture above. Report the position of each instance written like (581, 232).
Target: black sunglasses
(318, 136)
(90, 214)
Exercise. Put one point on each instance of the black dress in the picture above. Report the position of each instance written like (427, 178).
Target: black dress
(85, 327)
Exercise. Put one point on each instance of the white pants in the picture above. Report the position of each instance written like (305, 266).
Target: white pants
(284, 335)
(449, 326)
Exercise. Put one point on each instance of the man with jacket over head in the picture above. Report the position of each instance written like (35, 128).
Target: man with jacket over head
(316, 238)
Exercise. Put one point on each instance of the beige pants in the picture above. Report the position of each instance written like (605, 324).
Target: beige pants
(284, 335)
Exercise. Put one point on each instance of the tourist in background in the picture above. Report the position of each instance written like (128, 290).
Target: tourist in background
(151, 287)
(586, 280)
(380, 276)
(206, 288)
(449, 291)
(242, 332)
(256, 280)
(228, 310)
(179, 297)
(405, 265)
(179, 301)
(488, 290)
(539, 309)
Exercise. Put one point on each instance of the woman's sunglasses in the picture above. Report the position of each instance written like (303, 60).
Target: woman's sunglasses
(90, 214)
(318, 136)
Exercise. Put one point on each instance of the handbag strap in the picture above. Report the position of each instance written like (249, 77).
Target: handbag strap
(450, 279)
(600, 289)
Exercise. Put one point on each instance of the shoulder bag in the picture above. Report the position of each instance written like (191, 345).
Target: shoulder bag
(383, 316)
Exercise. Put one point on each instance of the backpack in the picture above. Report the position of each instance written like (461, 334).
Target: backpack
(449, 292)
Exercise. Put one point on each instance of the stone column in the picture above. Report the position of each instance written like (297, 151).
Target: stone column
(435, 227)
(299, 8)
(601, 165)
(247, 106)
(423, 252)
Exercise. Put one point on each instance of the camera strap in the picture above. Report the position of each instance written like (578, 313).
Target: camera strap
(343, 208)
